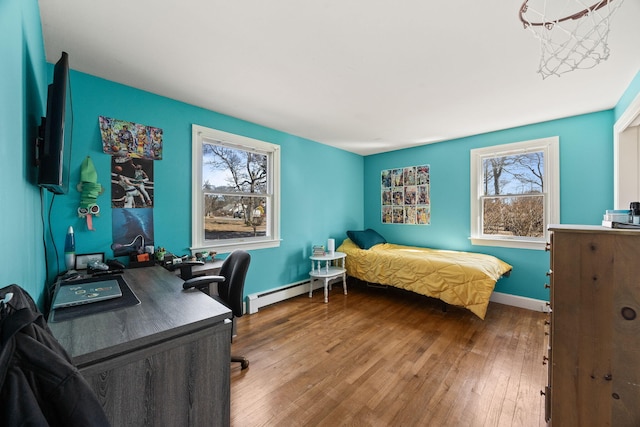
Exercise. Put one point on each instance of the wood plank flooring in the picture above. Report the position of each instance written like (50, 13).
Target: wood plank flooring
(387, 357)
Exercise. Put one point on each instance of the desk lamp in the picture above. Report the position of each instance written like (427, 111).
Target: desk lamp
(116, 246)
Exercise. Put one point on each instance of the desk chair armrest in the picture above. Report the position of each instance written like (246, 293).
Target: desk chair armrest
(201, 281)
(185, 268)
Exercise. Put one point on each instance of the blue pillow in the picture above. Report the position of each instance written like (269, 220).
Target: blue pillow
(365, 239)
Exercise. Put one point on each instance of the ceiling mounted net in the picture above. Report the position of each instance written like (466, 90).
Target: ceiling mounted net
(573, 34)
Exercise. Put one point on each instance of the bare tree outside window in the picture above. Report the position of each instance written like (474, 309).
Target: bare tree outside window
(235, 187)
(513, 199)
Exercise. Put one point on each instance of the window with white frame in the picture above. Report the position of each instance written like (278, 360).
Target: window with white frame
(235, 188)
(515, 193)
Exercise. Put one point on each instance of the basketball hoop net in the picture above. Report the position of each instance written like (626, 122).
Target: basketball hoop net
(569, 40)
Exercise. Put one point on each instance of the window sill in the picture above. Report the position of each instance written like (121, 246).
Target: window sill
(509, 243)
(224, 248)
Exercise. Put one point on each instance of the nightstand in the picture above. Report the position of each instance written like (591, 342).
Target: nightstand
(327, 267)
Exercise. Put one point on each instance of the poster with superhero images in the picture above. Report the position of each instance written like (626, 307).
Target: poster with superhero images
(405, 195)
(125, 140)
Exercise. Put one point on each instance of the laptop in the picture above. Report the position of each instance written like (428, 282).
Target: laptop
(84, 293)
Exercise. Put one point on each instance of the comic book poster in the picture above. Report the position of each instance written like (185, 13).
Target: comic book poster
(125, 140)
(405, 197)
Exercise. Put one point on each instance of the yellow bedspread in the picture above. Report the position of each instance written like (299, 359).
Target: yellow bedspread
(464, 279)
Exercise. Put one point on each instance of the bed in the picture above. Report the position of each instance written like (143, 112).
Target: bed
(462, 279)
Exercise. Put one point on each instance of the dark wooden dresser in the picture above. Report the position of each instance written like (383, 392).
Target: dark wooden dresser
(163, 362)
(594, 351)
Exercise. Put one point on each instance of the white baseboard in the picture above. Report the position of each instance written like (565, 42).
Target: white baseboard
(522, 302)
(272, 296)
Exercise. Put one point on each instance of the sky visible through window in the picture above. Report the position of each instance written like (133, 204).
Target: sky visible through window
(518, 174)
(215, 177)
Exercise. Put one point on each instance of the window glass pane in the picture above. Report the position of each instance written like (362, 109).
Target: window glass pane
(521, 216)
(232, 170)
(227, 172)
(513, 174)
(234, 217)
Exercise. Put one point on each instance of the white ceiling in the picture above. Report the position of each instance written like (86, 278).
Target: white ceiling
(367, 76)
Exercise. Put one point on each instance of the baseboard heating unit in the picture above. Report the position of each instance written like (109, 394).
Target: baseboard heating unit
(272, 296)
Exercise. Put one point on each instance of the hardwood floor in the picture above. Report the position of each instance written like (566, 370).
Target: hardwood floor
(386, 357)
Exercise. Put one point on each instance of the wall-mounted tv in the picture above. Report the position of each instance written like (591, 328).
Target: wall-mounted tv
(55, 134)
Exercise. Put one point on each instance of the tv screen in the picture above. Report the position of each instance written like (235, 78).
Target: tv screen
(54, 151)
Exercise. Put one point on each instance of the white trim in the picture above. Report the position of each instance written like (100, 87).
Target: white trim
(509, 243)
(626, 120)
(630, 114)
(245, 246)
(197, 221)
(522, 302)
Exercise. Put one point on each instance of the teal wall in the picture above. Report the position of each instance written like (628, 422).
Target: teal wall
(586, 180)
(321, 186)
(22, 102)
(325, 191)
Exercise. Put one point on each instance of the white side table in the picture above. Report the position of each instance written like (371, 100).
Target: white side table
(327, 271)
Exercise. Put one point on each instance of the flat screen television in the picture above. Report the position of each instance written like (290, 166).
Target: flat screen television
(56, 131)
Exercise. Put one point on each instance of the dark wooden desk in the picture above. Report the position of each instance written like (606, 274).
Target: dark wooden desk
(165, 361)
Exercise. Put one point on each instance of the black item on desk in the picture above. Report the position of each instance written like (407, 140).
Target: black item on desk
(230, 286)
(106, 273)
(139, 264)
(71, 275)
(40, 385)
(114, 264)
(167, 260)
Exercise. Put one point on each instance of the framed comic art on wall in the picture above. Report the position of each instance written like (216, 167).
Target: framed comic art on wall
(405, 195)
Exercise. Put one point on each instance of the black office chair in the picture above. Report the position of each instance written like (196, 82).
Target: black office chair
(230, 286)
